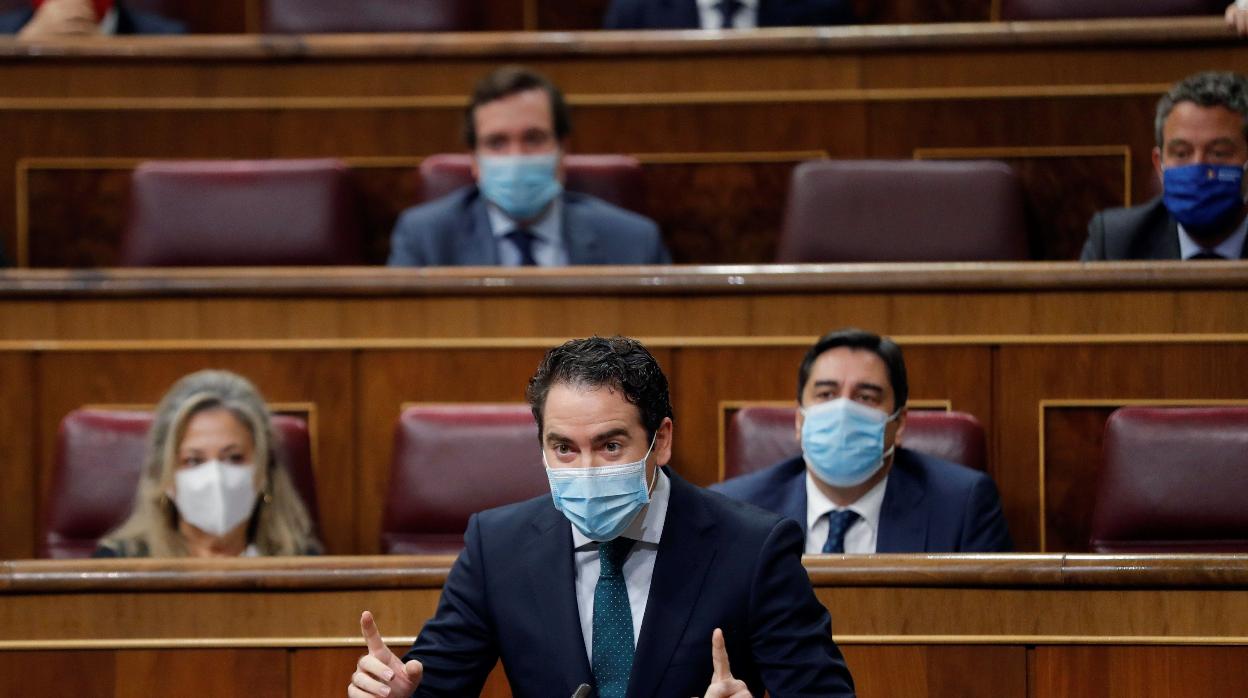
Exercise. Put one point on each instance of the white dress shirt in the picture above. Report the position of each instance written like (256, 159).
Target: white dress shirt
(548, 248)
(1231, 248)
(862, 534)
(646, 529)
(712, 18)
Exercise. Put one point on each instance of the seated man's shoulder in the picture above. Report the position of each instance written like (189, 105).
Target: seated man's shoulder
(738, 517)
(1130, 216)
(607, 213)
(939, 474)
(12, 22)
(763, 480)
(448, 207)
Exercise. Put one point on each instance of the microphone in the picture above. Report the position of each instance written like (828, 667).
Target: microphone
(582, 691)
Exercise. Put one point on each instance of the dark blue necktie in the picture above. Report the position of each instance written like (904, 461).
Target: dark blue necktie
(1206, 254)
(523, 240)
(728, 10)
(838, 524)
(613, 621)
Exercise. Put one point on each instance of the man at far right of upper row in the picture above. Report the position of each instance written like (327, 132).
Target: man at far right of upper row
(1201, 154)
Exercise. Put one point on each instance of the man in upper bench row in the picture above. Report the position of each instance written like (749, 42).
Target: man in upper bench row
(518, 213)
(1201, 153)
(49, 19)
(855, 488)
(726, 14)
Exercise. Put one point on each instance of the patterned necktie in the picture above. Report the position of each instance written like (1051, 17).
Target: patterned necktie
(523, 240)
(838, 524)
(613, 621)
(728, 10)
(1206, 254)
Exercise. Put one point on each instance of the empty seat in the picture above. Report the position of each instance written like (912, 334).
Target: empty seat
(1173, 480)
(756, 437)
(326, 16)
(451, 461)
(99, 460)
(240, 213)
(1016, 10)
(613, 178)
(903, 211)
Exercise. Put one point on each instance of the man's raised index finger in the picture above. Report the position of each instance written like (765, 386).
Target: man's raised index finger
(372, 637)
(719, 656)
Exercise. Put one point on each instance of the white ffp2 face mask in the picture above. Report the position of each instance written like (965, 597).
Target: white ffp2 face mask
(214, 496)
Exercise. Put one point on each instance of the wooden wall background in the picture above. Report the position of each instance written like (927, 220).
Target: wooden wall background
(1038, 352)
(722, 123)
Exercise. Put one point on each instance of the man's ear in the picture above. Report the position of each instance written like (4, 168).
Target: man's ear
(1157, 163)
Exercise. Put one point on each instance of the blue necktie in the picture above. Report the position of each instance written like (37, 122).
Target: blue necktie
(613, 621)
(838, 524)
(1206, 254)
(523, 240)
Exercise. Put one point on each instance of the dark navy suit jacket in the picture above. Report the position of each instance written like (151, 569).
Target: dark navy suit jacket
(128, 22)
(720, 564)
(1147, 231)
(930, 505)
(683, 14)
(455, 231)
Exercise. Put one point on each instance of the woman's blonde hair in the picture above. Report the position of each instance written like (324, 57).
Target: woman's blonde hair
(280, 524)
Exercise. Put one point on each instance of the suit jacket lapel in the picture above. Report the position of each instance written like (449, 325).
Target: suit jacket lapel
(903, 513)
(793, 501)
(551, 579)
(680, 14)
(685, 554)
(1166, 246)
(475, 245)
(579, 234)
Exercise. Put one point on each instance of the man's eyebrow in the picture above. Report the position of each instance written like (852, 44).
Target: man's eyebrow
(824, 383)
(554, 437)
(610, 434)
(869, 386)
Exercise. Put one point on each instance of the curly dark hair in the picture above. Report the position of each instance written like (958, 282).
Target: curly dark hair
(621, 363)
(1208, 89)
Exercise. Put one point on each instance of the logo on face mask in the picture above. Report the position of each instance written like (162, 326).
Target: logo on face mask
(1204, 198)
(843, 441)
(521, 185)
(214, 496)
(600, 502)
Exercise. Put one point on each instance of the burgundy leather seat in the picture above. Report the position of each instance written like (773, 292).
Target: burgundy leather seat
(451, 461)
(1016, 10)
(98, 463)
(241, 213)
(903, 211)
(339, 16)
(757, 437)
(613, 178)
(1173, 480)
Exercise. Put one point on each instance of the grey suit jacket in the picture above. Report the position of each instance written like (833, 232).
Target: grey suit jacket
(1147, 231)
(455, 231)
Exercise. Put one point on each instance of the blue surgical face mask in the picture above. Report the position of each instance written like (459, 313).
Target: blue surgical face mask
(521, 185)
(1204, 198)
(600, 502)
(843, 441)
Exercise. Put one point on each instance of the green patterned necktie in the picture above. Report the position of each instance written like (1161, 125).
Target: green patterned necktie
(613, 621)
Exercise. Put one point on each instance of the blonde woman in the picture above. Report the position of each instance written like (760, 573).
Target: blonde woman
(211, 484)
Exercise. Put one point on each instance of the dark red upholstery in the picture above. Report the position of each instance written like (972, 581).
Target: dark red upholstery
(757, 437)
(1015, 10)
(240, 213)
(613, 178)
(903, 211)
(324, 16)
(98, 463)
(1173, 480)
(451, 461)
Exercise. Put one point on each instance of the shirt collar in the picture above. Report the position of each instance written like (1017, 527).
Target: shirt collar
(710, 4)
(547, 228)
(648, 526)
(108, 25)
(868, 505)
(1231, 248)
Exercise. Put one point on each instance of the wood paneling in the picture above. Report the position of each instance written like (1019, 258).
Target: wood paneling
(879, 92)
(1139, 672)
(68, 381)
(1072, 440)
(966, 671)
(1027, 375)
(18, 405)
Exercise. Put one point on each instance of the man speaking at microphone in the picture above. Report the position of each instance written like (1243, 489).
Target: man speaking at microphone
(627, 580)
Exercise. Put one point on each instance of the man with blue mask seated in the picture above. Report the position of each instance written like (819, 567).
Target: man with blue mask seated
(627, 580)
(518, 213)
(855, 488)
(1202, 149)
